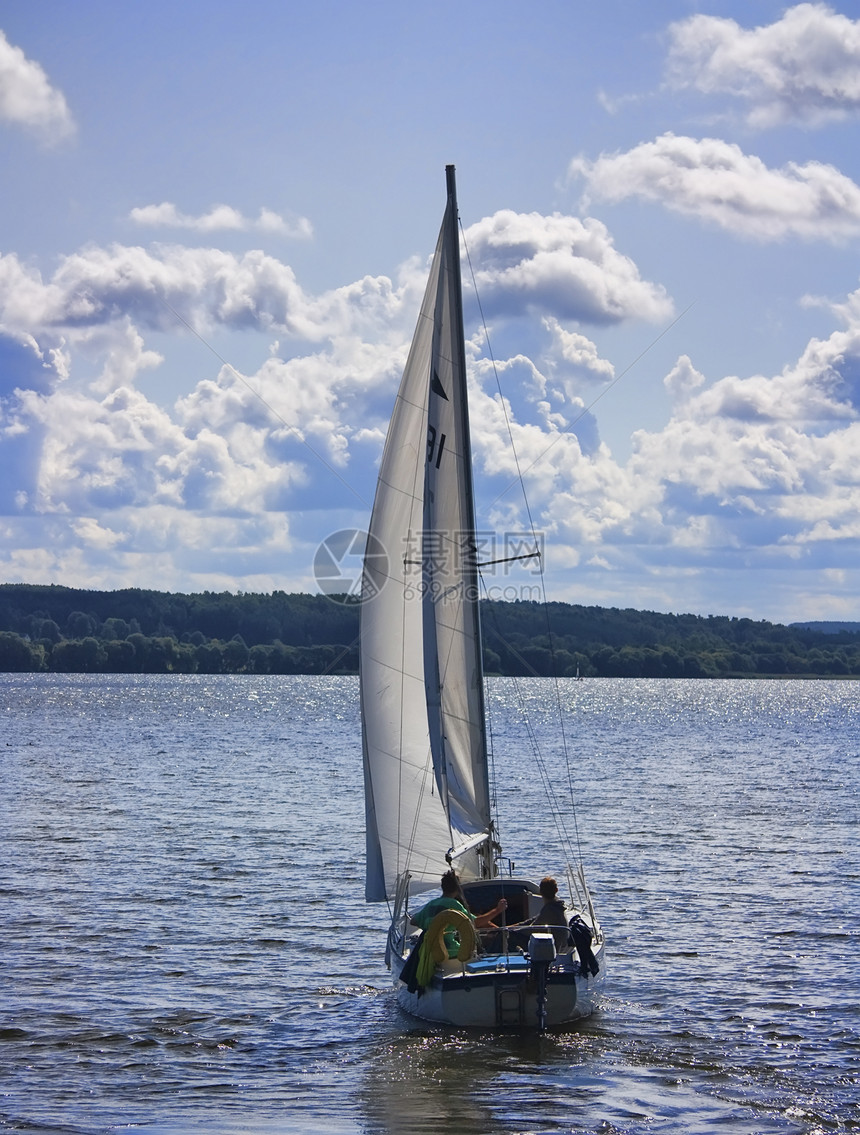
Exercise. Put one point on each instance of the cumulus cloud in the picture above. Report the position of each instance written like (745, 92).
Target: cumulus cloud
(237, 442)
(202, 287)
(123, 452)
(803, 68)
(561, 266)
(194, 495)
(200, 493)
(220, 218)
(116, 471)
(767, 460)
(717, 182)
(751, 473)
(307, 408)
(171, 549)
(578, 352)
(27, 98)
(683, 379)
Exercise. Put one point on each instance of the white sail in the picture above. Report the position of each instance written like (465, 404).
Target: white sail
(425, 761)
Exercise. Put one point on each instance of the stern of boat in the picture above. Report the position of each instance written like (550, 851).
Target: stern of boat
(502, 987)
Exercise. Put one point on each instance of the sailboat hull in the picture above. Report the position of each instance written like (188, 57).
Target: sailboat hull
(501, 992)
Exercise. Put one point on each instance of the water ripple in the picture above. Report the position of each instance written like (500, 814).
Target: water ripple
(185, 945)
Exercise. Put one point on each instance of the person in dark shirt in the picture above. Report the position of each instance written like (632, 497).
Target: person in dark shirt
(552, 913)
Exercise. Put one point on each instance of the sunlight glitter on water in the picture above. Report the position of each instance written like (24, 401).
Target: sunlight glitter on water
(185, 944)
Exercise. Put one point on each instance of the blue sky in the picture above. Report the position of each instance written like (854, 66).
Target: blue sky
(215, 226)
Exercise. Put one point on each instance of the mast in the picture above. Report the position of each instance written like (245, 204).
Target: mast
(470, 565)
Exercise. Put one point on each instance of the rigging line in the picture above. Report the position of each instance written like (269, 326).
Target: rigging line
(519, 479)
(546, 780)
(586, 409)
(531, 528)
(491, 739)
(291, 429)
(509, 559)
(344, 652)
(560, 711)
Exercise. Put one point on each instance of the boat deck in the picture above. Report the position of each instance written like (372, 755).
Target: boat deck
(512, 963)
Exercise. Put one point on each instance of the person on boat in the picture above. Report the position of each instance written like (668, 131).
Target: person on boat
(552, 913)
(452, 899)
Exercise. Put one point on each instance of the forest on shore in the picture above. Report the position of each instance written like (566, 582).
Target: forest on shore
(65, 630)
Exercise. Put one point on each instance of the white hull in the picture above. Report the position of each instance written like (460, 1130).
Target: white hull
(503, 995)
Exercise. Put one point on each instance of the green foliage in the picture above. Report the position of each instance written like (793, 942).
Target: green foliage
(525, 638)
(18, 655)
(151, 632)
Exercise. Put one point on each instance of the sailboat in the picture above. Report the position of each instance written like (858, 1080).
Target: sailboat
(424, 734)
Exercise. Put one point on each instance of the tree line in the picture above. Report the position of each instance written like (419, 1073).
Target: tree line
(65, 630)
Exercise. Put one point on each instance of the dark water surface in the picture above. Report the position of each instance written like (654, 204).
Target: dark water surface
(184, 945)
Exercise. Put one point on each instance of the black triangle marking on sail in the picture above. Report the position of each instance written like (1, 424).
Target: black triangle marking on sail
(437, 387)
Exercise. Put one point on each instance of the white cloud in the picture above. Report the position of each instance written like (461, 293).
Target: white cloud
(770, 460)
(313, 400)
(201, 493)
(237, 446)
(103, 457)
(204, 287)
(751, 476)
(683, 379)
(171, 549)
(27, 98)
(559, 266)
(803, 68)
(220, 218)
(113, 466)
(717, 182)
(94, 535)
(27, 305)
(578, 352)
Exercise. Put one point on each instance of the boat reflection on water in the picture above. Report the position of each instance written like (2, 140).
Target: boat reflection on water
(470, 1083)
(475, 1082)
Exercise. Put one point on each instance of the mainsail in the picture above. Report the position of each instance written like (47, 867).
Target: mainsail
(422, 708)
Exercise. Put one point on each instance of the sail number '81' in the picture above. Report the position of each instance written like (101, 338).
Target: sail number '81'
(434, 453)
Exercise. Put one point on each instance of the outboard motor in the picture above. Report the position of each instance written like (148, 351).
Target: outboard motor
(541, 956)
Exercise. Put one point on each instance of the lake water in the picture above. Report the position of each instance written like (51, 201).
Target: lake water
(185, 946)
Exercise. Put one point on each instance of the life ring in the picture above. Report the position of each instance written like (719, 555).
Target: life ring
(433, 948)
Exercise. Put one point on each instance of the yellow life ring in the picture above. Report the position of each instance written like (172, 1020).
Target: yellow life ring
(433, 948)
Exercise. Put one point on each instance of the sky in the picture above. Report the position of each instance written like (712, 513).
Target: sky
(215, 227)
